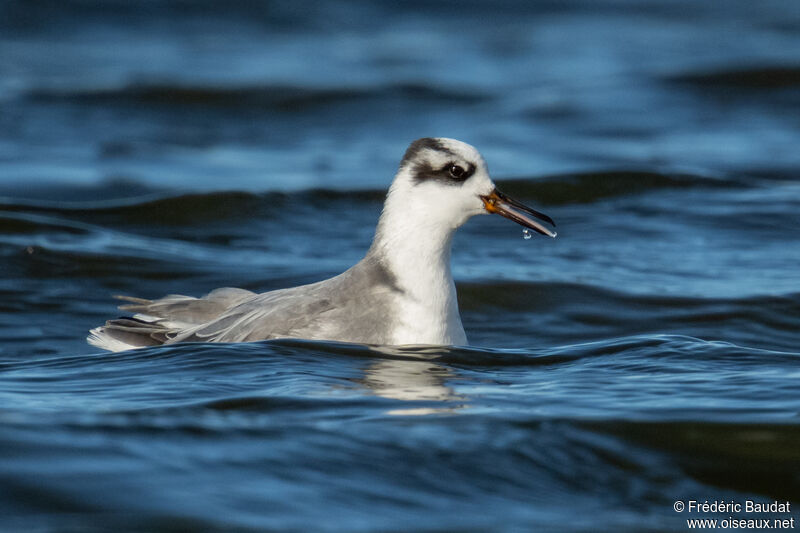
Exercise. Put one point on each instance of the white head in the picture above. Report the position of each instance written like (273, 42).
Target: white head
(443, 182)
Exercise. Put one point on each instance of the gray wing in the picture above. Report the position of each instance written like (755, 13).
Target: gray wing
(355, 306)
(177, 311)
(159, 321)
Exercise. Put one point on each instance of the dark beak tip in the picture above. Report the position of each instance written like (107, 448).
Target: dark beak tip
(508, 211)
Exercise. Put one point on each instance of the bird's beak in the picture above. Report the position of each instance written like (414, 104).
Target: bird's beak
(497, 202)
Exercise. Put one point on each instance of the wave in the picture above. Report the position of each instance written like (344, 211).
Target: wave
(769, 77)
(541, 296)
(762, 452)
(190, 357)
(588, 187)
(396, 467)
(610, 416)
(27, 223)
(284, 98)
(557, 311)
(155, 207)
(663, 410)
(181, 207)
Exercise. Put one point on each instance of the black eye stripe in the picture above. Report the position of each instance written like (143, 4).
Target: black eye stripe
(423, 171)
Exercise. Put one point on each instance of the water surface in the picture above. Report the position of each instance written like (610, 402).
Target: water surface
(648, 354)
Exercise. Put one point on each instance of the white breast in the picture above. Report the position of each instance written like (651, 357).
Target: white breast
(429, 319)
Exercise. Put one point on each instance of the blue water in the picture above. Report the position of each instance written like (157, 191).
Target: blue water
(650, 353)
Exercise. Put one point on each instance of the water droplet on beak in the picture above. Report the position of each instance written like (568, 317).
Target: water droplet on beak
(526, 234)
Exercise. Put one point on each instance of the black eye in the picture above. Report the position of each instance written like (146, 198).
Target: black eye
(456, 171)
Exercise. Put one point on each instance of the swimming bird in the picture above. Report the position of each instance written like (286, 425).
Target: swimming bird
(401, 292)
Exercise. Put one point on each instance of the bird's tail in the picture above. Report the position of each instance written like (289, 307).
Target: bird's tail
(159, 321)
(127, 333)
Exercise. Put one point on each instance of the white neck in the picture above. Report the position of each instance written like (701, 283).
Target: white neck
(413, 241)
(418, 254)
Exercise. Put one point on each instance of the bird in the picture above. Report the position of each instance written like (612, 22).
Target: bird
(400, 293)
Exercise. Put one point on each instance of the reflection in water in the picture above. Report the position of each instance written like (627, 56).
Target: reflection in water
(412, 380)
